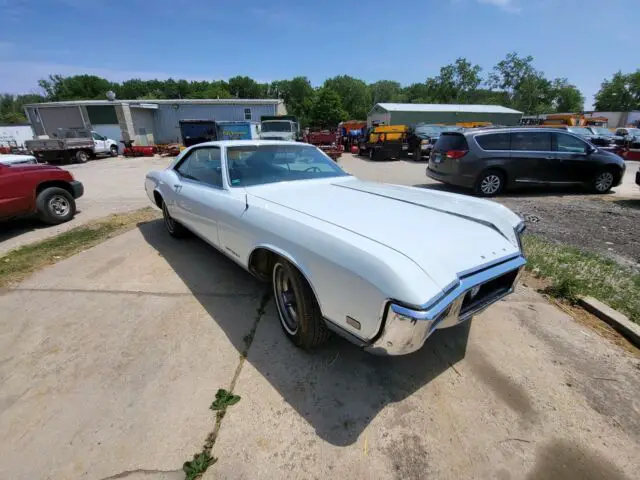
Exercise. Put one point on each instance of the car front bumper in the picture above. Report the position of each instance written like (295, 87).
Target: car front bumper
(405, 329)
(77, 189)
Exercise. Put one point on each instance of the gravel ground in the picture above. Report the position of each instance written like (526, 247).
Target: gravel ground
(606, 224)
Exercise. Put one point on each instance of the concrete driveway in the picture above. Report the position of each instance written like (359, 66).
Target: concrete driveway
(112, 185)
(110, 359)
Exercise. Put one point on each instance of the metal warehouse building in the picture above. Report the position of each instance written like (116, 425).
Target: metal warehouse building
(412, 113)
(147, 122)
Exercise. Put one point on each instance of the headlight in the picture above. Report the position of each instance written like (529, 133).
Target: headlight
(519, 231)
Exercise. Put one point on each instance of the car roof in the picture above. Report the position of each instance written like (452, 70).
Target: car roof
(240, 143)
(476, 131)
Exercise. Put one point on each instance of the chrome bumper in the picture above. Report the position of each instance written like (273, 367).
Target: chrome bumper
(405, 329)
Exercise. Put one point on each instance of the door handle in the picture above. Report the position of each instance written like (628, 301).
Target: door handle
(549, 158)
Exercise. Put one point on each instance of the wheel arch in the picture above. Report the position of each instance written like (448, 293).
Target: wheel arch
(266, 255)
(157, 198)
(54, 183)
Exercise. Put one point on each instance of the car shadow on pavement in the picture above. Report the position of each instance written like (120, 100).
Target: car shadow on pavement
(338, 388)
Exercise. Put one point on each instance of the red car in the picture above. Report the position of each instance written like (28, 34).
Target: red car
(44, 190)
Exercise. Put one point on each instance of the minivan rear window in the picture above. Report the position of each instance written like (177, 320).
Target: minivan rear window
(494, 141)
(451, 141)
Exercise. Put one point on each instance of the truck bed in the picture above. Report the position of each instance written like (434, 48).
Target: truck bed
(51, 144)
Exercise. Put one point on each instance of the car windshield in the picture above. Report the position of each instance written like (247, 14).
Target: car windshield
(634, 131)
(602, 131)
(427, 130)
(581, 131)
(277, 126)
(257, 165)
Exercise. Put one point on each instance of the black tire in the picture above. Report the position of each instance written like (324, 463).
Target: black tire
(175, 229)
(82, 156)
(113, 151)
(372, 155)
(602, 182)
(417, 154)
(55, 205)
(490, 183)
(293, 293)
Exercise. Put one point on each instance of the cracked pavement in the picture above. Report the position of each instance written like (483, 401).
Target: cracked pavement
(110, 360)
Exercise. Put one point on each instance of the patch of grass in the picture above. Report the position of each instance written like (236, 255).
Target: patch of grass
(574, 272)
(18, 264)
(223, 400)
(196, 467)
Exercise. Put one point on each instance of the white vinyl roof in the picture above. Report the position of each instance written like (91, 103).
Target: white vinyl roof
(440, 107)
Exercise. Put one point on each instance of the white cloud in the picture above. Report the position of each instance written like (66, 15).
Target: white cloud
(507, 5)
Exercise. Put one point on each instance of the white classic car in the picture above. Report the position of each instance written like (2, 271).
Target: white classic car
(382, 265)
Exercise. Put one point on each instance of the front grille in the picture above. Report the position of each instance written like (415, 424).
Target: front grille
(488, 292)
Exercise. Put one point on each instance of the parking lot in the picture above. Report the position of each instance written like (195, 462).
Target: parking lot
(111, 359)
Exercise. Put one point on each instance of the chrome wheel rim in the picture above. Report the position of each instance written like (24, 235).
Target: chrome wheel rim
(604, 181)
(490, 184)
(59, 205)
(169, 222)
(285, 299)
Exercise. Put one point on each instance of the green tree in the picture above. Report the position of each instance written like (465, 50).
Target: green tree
(298, 96)
(620, 94)
(456, 83)
(327, 110)
(419, 93)
(12, 107)
(384, 91)
(354, 93)
(509, 74)
(76, 87)
(566, 97)
(246, 87)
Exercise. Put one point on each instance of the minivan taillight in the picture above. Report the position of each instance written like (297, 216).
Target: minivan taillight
(455, 154)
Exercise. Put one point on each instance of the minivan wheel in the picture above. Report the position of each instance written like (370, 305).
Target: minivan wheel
(602, 182)
(489, 183)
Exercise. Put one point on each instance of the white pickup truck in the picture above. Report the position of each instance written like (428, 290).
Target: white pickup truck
(72, 145)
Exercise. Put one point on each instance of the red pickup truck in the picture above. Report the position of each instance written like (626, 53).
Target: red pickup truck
(44, 190)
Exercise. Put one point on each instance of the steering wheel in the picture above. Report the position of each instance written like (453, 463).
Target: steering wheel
(312, 169)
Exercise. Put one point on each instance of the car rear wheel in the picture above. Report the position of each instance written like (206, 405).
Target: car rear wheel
(175, 229)
(298, 310)
(55, 205)
(602, 182)
(82, 156)
(490, 183)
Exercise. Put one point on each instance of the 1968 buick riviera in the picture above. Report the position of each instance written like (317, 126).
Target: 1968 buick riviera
(383, 265)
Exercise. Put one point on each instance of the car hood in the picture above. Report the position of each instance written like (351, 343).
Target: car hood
(35, 168)
(446, 235)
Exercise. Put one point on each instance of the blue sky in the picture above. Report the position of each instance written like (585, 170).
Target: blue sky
(583, 40)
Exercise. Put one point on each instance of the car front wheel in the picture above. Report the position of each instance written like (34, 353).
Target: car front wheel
(299, 313)
(55, 205)
(113, 151)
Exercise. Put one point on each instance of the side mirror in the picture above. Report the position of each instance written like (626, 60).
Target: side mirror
(591, 149)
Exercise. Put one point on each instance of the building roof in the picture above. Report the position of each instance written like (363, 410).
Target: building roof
(438, 107)
(187, 101)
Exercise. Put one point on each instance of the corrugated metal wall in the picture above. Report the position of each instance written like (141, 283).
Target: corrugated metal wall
(166, 124)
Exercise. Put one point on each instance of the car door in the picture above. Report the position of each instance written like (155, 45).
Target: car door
(16, 194)
(571, 163)
(99, 141)
(198, 185)
(531, 155)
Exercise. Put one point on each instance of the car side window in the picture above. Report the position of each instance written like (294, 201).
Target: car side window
(569, 144)
(531, 141)
(494, 141)
(97, 136)
(203, 165)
